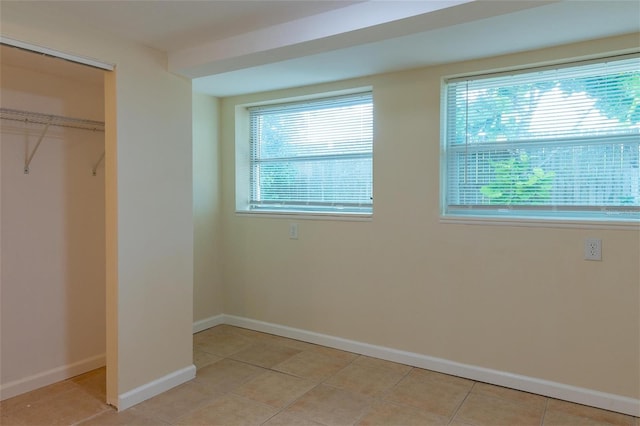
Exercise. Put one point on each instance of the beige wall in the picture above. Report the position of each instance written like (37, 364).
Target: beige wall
(53, 228)
(514, 299)
(149, 209)
(207, 280)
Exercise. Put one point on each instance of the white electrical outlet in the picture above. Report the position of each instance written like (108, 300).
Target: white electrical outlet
(293, 231)
(593, 249)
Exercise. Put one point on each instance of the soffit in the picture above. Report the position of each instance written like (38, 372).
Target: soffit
(237, 47)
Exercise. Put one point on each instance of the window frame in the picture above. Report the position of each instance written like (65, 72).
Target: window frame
(243, 161)
(519, 215)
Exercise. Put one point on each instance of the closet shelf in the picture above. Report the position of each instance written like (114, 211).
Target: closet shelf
(52, 120)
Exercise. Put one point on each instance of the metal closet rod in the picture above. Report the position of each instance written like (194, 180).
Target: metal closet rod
(52, 120)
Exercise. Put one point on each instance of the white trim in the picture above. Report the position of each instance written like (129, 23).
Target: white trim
(546, 65)
(312, 95)
(206, 323)
(347, 217)
(541, 223)
(155, 387)
(551, 389)
(51, 52)
(51, 376)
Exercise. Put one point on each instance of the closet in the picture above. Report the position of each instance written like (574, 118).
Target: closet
(52, 220)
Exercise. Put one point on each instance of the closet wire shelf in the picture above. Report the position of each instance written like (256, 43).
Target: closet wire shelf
(51, 120)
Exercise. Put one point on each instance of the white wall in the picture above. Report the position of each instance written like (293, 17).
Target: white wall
(149, 208)
(207, 280)
(53, 229)
(513, 299)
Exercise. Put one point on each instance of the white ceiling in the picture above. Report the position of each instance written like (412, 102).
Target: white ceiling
(240, 46)
(177, 24)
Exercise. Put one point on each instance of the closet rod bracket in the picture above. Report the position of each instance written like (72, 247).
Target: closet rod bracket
(95, 166)
(26, 164)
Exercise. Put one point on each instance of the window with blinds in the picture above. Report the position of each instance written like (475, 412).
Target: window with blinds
(560, 143)
(313, 156)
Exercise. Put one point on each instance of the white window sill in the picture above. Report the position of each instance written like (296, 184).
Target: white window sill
(542, 222)
(348, 217)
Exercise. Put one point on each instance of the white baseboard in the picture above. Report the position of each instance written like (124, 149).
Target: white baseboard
(156, 387)
(17, 387)
(551, 389)
(203, 324)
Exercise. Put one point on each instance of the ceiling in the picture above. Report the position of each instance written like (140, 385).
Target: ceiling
(240, 46)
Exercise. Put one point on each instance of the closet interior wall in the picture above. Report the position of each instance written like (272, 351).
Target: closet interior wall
(52, 317)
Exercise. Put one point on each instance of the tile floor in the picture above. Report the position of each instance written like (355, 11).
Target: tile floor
(250, 378)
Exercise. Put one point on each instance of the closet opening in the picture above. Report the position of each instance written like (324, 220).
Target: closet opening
(52, 222)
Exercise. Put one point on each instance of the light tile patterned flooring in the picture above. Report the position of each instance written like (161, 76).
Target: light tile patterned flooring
(250, 378)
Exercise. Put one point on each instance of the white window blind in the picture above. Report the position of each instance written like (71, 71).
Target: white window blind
(313, 156)
(550, 142)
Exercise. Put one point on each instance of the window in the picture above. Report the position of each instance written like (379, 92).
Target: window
(313, 156)
(555, 143)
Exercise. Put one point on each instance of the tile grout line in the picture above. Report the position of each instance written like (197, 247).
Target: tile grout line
(293, 401)
(230, 392)
(374, 399)
(198, 407)
(49, 396)
(383, 396)
(544, 412)
(455, 412)
(322, 382)
(271, 369)
(79, 422)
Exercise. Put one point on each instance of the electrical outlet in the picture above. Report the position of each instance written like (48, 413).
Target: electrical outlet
(293, 231)
(593, 249)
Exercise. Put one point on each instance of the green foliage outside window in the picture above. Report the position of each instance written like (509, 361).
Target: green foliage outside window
(516, 182)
